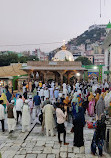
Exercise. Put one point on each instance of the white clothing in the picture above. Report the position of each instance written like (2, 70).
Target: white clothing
(30, 103)
(69, 89)
(65, 91)
(48, 110)
(2, 114)
(106, 85)
(52, 85)
(77, 85)
(24, 87)
(19, 104)
(64, 86)
(61, 117)
(51, 132)
(14, 113)
(41, 92)
(26, 115)
(60, 95)
(43, 85)
(11, 124)
(36, 84)
(46, 94)
(51, 93)
(37, 110)
(107, 100)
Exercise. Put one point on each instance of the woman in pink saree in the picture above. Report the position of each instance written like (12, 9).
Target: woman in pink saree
(91, 107)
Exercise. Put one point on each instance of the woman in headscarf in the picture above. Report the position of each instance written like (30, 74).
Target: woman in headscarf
(97, 97)
(100, 106)
(66, 101)
(4, 98)
(79, 123)
(9, 96)
(91, 107)
(90, 97)
(79, 100)
(74, 104)
(67, 106)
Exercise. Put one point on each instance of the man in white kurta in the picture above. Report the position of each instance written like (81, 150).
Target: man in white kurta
(41, 94)
(64, 86)
(51, 93)
(46, 93)
(26, 117)
(65, 92)
(48, 110)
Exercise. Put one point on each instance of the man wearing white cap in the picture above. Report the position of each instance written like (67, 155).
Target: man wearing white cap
(11, 115)
(26, 117)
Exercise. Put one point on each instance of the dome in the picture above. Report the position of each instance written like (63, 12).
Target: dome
(63, 55)
(109, 25)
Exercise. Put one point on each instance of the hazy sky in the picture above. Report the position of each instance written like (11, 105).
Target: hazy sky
(43, 21)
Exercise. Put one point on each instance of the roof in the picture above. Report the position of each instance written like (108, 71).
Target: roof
(12, 70)
(109, 25)
(54, 68)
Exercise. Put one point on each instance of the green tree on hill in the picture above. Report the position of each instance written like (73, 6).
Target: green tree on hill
(84, 60)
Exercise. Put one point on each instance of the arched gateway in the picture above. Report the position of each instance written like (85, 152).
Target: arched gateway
(55, 70)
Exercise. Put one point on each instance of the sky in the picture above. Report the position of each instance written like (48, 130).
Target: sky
(47, 21)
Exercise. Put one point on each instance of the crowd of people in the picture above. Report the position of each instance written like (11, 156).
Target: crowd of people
(53, 105)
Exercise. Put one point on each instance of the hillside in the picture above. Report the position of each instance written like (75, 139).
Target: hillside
(89, 37)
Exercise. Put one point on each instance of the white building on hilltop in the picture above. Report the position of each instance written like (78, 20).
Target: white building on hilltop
(103, 26)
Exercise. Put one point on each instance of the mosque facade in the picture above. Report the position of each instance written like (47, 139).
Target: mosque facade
(61, 69)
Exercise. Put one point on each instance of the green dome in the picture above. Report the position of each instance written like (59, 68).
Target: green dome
(109, 26)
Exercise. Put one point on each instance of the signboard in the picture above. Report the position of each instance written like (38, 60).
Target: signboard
(93, 74)
(106, 72)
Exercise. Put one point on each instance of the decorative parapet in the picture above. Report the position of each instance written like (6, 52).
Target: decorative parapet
(52, 63)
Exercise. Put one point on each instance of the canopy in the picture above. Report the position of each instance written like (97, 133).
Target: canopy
(12, 70)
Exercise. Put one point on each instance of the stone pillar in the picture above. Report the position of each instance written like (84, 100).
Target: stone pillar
(44, 76)
(34, 75)
(68, 77)
(61, 77)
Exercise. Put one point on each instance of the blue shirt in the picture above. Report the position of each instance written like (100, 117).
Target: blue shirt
(37, 100)
(56, 93)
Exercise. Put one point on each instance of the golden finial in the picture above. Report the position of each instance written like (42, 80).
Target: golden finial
(64, 45)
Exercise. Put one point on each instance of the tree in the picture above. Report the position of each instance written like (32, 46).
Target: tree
(6, 60)
(84, 60)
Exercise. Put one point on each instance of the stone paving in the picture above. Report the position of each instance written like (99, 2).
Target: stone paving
(38, 145)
